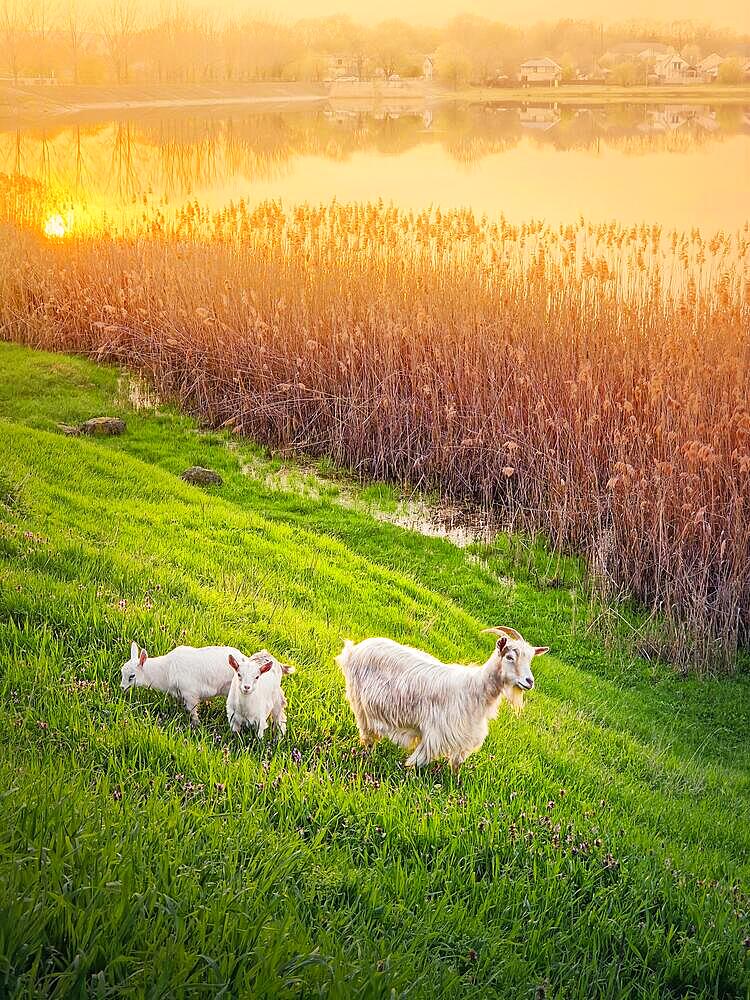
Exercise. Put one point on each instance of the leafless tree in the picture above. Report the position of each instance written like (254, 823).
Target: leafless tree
(74, 25)
(119, 20)
(13, 31)
(41, 18)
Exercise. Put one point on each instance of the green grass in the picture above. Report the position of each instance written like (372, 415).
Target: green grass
(140, 858)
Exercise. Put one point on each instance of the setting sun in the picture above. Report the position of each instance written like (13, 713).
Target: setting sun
(55, 226)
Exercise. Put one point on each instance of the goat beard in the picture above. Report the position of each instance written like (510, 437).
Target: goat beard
(514, 696)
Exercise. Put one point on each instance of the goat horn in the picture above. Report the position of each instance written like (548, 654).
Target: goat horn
(503, 630)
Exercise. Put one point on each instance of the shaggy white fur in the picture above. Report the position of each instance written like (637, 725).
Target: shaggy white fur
(434, 709)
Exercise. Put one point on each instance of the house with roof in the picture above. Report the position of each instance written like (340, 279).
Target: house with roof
(543, 70)
(653, 56)
(708, 68)
(342, 67)
(673, 68)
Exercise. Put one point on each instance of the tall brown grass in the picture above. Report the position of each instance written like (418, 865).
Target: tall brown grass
(587, 382)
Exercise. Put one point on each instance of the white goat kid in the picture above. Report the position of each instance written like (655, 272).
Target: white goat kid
(190, 674)
(255, 695)
(434, 709)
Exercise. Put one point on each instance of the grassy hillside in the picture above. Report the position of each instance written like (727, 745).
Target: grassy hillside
(597, 846)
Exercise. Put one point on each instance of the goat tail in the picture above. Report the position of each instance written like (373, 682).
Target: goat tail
(345, 655)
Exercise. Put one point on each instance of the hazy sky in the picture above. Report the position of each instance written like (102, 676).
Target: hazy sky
(735, 13)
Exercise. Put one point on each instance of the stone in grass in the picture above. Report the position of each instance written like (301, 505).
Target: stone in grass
(69, 430)
(103, 426)
(199, 476)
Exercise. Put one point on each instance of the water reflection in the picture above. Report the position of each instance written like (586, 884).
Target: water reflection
(546, 160)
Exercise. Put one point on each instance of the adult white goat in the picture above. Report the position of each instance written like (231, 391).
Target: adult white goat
(189, 674)
(411, 697)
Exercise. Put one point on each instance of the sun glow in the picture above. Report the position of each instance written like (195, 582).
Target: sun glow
(56, 226)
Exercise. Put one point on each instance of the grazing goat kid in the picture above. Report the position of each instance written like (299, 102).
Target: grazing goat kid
(192, 675)
(255, 695)
(434, 709)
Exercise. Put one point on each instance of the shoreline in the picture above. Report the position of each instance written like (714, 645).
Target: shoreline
(211, 102)
(597, 94)
(68, 102)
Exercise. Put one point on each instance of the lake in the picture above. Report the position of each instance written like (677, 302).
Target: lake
(680, 166)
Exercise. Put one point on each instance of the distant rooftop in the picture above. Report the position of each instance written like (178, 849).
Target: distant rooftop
(711, 61)
(544, 61)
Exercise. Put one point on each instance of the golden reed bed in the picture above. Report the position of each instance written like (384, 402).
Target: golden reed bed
(587, 382)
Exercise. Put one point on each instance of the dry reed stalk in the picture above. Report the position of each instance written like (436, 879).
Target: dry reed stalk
(588, 382)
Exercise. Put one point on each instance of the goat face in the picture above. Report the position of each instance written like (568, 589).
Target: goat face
(250, 669)
(131, 668)
(514, 655)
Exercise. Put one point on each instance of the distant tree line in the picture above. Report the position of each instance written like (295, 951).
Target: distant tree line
(118, 41)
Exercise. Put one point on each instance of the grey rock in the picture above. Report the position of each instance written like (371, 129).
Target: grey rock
(199, 476)
(103, 426)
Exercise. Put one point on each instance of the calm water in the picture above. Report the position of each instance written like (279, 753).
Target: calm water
(681, 166)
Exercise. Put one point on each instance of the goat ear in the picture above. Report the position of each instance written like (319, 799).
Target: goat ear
(501, 644)
(233, 662)
(287, 668)
(266, 667)
(134, 650)
(142, 658)
(541, 650)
